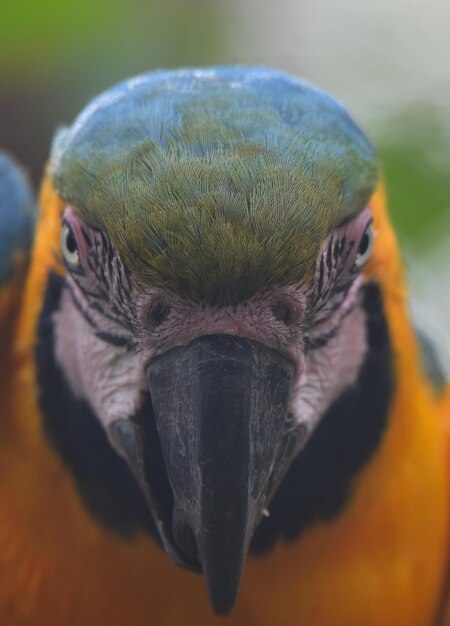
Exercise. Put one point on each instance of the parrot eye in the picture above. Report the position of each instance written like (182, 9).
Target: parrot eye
(365, 247)
(69, 247)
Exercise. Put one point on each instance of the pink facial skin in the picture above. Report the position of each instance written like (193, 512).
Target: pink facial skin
(108, 328)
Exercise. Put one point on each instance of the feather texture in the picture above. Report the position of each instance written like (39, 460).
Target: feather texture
(218, 183)
(17, 209)
(17, 217)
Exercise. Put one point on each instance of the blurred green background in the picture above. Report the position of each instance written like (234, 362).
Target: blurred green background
(389, 62)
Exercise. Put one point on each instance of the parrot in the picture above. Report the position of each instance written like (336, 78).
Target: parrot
(214, 408)
(17, 216)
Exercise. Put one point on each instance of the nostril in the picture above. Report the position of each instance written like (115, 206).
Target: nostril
(158, 313)
(284, 312)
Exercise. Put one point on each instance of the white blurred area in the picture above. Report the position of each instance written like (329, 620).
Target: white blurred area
(377, 57)
(381, 59)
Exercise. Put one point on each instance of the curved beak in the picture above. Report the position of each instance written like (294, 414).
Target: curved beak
(220, 405)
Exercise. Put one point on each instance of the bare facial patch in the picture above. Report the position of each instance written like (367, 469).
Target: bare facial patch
(109, 328)
(109, 377)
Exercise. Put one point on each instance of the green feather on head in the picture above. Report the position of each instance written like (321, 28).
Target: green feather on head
(216, 183)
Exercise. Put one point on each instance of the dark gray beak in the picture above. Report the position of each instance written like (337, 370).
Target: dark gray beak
(220, 405)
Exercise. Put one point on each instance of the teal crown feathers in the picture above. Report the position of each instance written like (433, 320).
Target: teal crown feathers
(218, 183)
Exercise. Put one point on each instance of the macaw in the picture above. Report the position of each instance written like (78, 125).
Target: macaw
(210, 369)
(17, 214)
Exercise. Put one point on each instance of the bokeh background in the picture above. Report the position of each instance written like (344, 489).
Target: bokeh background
(387, 61)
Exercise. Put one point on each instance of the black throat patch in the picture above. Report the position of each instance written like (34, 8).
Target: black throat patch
(316, 487)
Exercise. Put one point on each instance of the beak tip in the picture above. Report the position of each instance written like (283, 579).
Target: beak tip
(223, 572)
(222, 609)
(222, 597)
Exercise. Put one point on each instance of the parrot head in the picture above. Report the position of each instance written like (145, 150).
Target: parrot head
(215, 232)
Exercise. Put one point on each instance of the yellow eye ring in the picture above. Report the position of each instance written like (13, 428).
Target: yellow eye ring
(69, 247)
